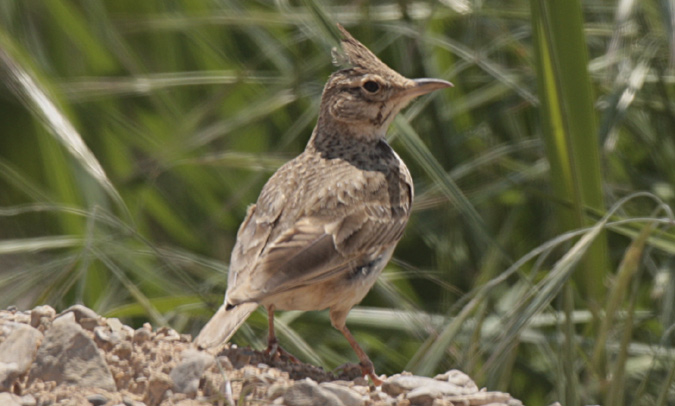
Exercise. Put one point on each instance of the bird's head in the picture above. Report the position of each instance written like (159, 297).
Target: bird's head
(366, 96)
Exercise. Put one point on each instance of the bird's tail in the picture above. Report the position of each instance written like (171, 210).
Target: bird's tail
(223, 325)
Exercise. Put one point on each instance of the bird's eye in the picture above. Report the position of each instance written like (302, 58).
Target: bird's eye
(371, 86)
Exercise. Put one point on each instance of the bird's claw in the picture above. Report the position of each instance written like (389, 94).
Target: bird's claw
(274, 351)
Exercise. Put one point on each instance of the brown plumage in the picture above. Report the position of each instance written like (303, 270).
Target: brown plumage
(327, 222)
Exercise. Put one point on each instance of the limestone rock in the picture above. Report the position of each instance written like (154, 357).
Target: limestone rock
(158, 384)
(188, 372)
(347, 396)
(9, 399)
(80, 312)
(399, 383)
(17, 353)
(68, 355)
(41, 317)
(308, 393)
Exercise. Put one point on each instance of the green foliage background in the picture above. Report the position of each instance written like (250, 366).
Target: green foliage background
(539, 257)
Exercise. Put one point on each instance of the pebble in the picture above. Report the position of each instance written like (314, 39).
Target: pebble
(17, 353)
(80, 312)
(188, 372)
(142, 335)
(347, 396)
(67, 355)
(97, 400)
(308, 393)
(41, 316)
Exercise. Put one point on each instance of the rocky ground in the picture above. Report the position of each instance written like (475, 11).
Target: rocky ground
(80, 358)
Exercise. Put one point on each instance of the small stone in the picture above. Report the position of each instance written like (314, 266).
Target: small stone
(41, 316)
(424, 395)
(123, 350)
(380, 397)
(158, 384)
(88, 323)
(347, 396)
(142, 335)
(80, 312)
(188, 372)
(276, 390)
(114, 323)
(67, 355)
(97, 400)
(9, 399)
(458, 378)
(308, 393)
(130, 402)
(27, 400)
(17, 353)
(361, 381)
(168, 334)
(104, 338)
(9, 373)
(397, 384)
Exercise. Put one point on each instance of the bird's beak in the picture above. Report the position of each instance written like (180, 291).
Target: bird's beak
(424, 86)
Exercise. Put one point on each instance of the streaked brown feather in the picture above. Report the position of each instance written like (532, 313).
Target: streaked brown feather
(340, 215)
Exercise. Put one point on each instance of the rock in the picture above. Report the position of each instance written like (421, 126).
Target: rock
(9, 373)
(123, 350)
(17, 353)
(308, 393)
(188, 372)
(27, 400)
(397, 384)
(104, 338)
(80, 312)
(158, 384)
(347, 396)
(423, 396)
(457, 378)
(115, 324)
(41, 317)
(9, 399)
(168, 334)
(142, 335)
(130, 402)
(276, 390)
(97, 400)
(69, 356)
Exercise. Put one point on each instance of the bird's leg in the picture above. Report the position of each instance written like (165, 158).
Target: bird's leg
(365, 363)
(273, 347)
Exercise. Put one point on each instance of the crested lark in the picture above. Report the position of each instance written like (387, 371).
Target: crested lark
(327, 222)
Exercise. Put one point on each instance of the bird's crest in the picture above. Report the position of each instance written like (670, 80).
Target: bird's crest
(355, 55)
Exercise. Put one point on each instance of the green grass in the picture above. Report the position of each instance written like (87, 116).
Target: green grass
(539, 257)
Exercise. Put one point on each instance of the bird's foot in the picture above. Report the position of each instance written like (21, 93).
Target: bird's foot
(274, 351)
(361, 369)
(368, 369)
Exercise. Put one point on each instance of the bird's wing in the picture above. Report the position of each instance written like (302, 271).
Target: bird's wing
(319, 244)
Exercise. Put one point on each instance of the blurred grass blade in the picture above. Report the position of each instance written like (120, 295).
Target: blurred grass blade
(433, 168)
(627, 269)
(36, 99)
(38, 244)
(569, 131)
(546, 290)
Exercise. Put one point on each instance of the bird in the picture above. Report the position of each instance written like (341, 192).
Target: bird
(326, 223)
